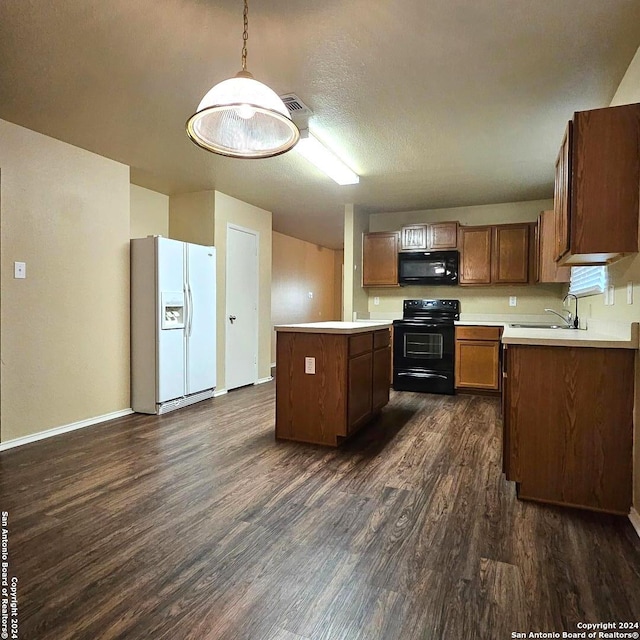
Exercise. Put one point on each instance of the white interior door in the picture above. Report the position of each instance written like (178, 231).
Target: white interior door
(200, 333)
(241, 318)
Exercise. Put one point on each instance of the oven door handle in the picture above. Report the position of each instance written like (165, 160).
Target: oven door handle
(420, 374)
(423, 325)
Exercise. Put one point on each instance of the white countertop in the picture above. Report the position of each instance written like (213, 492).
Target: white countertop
(598, 334)
(482, 323)
(361, 326)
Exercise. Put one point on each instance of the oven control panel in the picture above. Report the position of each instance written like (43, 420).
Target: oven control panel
(451, 306)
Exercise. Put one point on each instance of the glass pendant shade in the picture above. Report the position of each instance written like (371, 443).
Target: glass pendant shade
(243, 118)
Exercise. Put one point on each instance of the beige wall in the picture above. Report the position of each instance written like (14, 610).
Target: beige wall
(338, 283)
(202, 218)
(149, 213)
(355, 298)
(65, 328)
(492, 300)
(300, 268)
(531, 300)
(481, 214)
(229, 210)
(622, 272)
(191, 217)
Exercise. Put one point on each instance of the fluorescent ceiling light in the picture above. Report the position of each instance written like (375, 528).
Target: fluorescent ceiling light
(316, 153)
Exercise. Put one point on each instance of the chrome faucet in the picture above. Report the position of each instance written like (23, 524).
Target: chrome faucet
(568, 321)
(576, 324)
(571, 321)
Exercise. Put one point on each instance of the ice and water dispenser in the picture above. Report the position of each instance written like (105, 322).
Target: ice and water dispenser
(172, 311)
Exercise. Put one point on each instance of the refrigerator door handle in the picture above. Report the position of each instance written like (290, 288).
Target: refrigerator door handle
(190, 310)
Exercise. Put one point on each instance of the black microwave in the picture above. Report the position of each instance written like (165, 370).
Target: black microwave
(428, 267)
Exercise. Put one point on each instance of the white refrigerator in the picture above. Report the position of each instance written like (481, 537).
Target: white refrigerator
(173, 324)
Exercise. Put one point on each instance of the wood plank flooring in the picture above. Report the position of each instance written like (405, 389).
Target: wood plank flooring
(199, 525)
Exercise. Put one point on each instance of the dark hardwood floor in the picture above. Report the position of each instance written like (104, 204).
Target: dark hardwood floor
(199, 525)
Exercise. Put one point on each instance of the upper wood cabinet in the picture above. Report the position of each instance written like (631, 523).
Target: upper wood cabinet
(423, 237)
(496, 254)
(475, 255)
(443, 235)
(414, 238)
(596, 198)
(510, 254)
(380, 259)
(561, 195)
(548, 269)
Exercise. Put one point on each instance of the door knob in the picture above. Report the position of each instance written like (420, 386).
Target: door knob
(232, 318)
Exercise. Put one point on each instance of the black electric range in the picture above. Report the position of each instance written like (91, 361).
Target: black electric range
(424, 346)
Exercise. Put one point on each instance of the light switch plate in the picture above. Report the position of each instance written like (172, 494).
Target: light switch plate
(612, 295)
(310, 365)
(376, 301)
(20, 270)
(629, 292)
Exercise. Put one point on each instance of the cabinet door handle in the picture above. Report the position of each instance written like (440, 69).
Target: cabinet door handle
(232, 318)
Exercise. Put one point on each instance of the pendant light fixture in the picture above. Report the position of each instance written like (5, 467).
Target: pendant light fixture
(241, 117)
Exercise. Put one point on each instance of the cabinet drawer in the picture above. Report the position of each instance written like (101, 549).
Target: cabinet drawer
(360, 343)
(478, 333)
(381, 339)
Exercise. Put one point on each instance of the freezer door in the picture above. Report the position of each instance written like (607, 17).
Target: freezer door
(201, 318)
(170, 283)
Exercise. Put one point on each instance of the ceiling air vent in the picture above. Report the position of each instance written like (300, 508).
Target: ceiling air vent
(296, 107)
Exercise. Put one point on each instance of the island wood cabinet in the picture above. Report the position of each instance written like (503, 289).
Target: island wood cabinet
(568, 423)
(349, 385)
(380, 259)
(596, 197)
(548, 269)
(496, 254)
(478, 358)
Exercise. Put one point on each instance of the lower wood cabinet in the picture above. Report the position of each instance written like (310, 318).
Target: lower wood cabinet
(350, 384)
(568, 425)
(477, 363)
(360, 392)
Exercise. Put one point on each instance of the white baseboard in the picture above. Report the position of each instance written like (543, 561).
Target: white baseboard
(219, 392)
(41, 435)
(634, 516)
(263, 380)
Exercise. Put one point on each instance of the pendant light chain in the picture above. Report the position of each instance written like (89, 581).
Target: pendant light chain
(245, 36)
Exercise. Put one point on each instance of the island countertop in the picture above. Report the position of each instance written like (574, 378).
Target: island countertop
(344, 328)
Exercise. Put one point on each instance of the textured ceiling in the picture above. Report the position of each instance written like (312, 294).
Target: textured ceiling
(435, 103)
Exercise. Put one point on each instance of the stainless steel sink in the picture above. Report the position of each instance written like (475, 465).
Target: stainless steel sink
(539, 326)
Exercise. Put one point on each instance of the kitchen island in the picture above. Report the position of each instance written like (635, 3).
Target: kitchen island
(331, 379)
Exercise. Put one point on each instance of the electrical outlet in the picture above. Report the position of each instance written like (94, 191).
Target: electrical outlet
(310, 365)
(629, 292)
(376, 300)
(20, 270)
(513, 301)
(310, 294)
